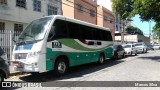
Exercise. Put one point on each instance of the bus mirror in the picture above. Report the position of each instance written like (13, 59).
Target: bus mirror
(13, 38)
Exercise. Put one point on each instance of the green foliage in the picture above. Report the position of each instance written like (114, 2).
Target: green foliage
(147, 9)
(133, 30)
(156, 29)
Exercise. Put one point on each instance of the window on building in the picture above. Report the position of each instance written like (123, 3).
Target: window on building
(52, 10)
(18, 28)
(105, 18)
(111, 20)
(3, 1)
(21, 3)
(120, 22)
(37, 5)
(92, 13)
(79, 7)
(2, 26)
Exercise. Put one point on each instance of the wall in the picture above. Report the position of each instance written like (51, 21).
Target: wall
(85, 15)
(11, 12)
(68, 8)
(134, 38)
(106, 23)
(144, 39)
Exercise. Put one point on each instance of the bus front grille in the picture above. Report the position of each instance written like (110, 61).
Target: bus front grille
(20, 55)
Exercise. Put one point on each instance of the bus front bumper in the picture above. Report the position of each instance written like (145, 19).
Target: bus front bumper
(22, 67)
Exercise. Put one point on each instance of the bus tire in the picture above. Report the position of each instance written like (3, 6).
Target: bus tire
(60, 67)
(101, 59)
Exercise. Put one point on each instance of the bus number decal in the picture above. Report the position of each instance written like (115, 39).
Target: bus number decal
(56, 45)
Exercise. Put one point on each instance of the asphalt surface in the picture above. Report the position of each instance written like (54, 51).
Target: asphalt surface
(143, 67)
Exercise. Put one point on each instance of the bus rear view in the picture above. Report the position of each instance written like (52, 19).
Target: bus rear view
(57, 43)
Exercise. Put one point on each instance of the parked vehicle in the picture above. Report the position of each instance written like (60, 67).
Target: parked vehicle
(119, 52)
(62, 43)
(141, 47)
(4, 68)
(130, 49)
(150, 47)
(156, 46)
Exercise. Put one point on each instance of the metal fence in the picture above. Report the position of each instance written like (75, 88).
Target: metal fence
(6, 41)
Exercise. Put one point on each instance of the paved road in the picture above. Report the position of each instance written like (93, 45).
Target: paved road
(144, 67)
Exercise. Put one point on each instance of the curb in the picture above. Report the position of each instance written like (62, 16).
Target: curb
(14, 73)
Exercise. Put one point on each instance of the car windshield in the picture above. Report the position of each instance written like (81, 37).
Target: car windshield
(149, 45)
(35, 30)
(115, 46)
(127, 46)
(139, 44)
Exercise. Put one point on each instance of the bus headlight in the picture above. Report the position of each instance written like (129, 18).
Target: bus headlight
(35, 53)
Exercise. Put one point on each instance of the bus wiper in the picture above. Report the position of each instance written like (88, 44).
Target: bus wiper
(23, 42)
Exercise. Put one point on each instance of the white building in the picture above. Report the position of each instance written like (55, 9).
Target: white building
(16, 14)
(133, 38)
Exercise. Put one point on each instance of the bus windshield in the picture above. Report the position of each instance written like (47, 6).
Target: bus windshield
(35, 31)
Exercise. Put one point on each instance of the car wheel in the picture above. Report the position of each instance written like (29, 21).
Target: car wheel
(131, 54)
(116, 56)
(1, 78)
(101, 59)
(143, 51)
(146, 51)
(136, 53)
(124, 55)
(60, 67)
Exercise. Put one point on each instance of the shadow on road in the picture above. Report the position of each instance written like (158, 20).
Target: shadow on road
(154, 58)
(74, 72)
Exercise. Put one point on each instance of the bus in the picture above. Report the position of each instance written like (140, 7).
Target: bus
(57, 43)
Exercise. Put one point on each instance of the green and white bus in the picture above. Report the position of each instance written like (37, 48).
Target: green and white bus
(57, 43)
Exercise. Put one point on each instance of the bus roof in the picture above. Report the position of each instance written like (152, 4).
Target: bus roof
(78, 21)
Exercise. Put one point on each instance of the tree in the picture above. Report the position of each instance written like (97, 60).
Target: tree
(133, 30)
(147, 9)
(156, 29)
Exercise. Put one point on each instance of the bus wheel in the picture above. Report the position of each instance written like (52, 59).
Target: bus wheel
(101, 59)
(60, 67)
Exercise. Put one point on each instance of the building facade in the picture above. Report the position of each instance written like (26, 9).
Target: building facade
(105, 18)
(84, 10)
(89, 11)
(16, 14)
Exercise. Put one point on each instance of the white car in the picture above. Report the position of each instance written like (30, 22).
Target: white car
(141, 47)
(156, 46)
(130, 49)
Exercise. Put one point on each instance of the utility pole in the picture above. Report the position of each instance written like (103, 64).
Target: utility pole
(123, 30)
(150, 31)
(122, 33)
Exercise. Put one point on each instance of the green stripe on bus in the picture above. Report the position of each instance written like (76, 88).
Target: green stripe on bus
(75, 45)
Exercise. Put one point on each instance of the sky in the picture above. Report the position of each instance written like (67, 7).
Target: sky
(144, 26)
